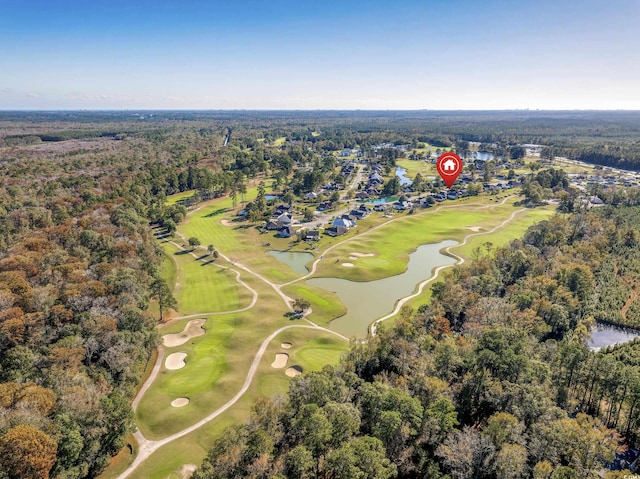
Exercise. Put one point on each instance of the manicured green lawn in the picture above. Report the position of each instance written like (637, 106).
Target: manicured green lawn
(202, 287)
(325, 305)
(216, 364)
(311, 349)
(173, 199)
(425, 168)
(509, 232)
(392, 243)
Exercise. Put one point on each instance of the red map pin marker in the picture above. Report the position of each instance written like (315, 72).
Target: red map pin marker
(449, 166)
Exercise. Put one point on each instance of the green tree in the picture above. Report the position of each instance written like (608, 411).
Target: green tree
(301, 304)
(194, 242)
(362, 457)
(163, 295)
(392, 187)
(299, 463)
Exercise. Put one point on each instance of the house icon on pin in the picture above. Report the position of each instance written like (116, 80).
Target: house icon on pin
(449, 165)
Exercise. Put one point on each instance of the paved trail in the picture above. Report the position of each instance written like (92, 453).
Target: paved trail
(147, 447)
(460, 260)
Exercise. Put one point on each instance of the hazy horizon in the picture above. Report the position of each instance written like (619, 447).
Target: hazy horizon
(407, 55)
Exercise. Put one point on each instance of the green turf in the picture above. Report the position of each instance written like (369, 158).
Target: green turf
(312, 350)
(324, 304)
(202, 287)
(511, 231)
(392, 243)
(173, 199)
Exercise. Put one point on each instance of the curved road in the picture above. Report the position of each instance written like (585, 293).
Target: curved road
(401, 302)
(147, 447)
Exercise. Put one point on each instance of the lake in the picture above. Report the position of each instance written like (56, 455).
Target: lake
(400, 172)
(605, 335)
(483, 155)
(370, 300)
(296, 260)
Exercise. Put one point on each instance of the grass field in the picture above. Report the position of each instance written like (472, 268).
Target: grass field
(200, 286)
(311, 350)
(509, 232)
(414, 167)
(173, 199)
(218, 361)
(392, 243)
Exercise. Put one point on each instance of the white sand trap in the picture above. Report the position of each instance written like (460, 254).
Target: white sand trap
(362, 255)
(353, 258)
(180, 402)
(191, 330)
(175, 361)
(475, 229)
(187, 470)
(225, 223)
(286, 345)
(280, 361)
(293, 371)
(347, 265)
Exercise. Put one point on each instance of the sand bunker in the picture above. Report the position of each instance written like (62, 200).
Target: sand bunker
(192, 329)
(286, 345)
(353, 258)
(175, 361)
(180, 402)
(362, 255)
(187, 470)
(347, 265)
(280, 361)
(475, 229)
(293, 371)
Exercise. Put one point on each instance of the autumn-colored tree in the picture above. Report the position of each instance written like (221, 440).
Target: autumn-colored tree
(27, 453)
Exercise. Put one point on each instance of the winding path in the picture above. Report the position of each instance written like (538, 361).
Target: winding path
(460, 260)
(147, 447)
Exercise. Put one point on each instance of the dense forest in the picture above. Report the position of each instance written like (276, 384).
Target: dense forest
(492, 379)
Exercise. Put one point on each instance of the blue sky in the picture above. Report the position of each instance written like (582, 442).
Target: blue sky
(303, 54)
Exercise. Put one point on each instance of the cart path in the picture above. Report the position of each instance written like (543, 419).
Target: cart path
(438, 208)
(460, 260)
(147, 447)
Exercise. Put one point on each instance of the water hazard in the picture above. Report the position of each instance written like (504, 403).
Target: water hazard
(370, 300)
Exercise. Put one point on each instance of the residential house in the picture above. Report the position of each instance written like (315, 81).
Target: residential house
(286, 232)
(402, 205)
(343, 222)
(336, 230)
(312, 235)
(272, 225)
(284, 219)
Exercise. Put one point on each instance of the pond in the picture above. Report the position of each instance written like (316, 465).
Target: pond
(370, 300)
(389, 199)
(605, 335)
(400, 173)
(296, 260)
(270, 197)
(483, 155)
